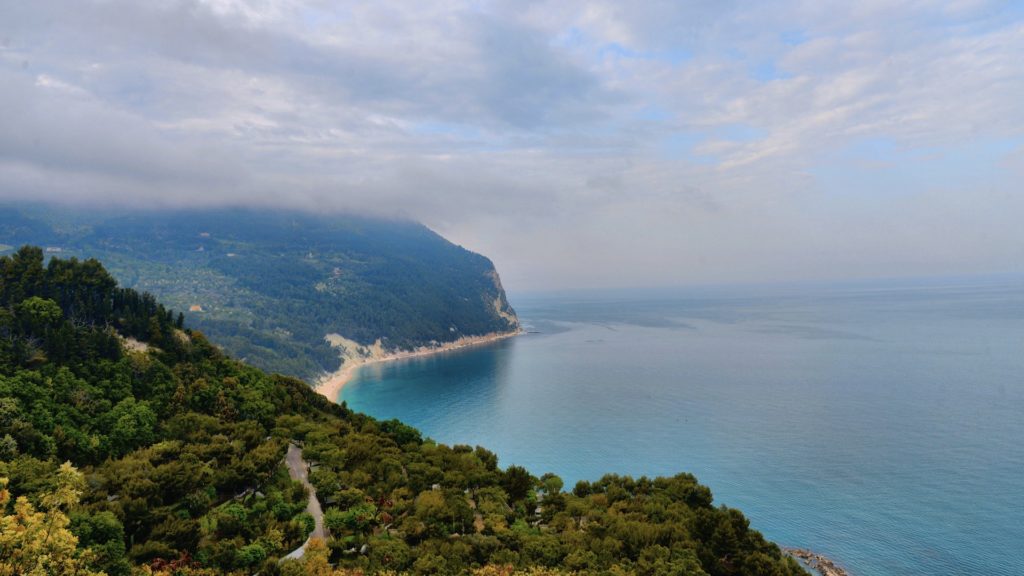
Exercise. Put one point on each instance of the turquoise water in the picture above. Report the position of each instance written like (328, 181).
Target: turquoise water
(881, 426)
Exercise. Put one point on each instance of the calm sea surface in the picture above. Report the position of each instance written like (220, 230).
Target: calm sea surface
(882, 426)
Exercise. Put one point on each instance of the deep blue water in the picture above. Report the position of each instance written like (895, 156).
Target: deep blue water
(881, 426)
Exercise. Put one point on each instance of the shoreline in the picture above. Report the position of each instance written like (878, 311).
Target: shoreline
(330, 385)
(814, 561)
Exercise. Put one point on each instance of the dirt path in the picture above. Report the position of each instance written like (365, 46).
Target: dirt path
(298, 470)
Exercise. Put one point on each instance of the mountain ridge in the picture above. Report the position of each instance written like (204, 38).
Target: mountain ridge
(270, 285)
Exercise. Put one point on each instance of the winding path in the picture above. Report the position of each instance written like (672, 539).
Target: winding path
(299, 470)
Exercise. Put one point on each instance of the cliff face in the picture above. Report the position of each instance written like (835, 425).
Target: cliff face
(501, 306)
(267, 285)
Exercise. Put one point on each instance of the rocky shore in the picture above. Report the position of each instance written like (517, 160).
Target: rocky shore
(816, 562)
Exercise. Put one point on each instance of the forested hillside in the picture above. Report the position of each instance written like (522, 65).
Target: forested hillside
(174, 466)
(267, 285)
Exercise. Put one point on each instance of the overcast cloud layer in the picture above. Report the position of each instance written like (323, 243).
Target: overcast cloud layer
(576, 143)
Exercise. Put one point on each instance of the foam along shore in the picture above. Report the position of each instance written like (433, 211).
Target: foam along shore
(355, 355)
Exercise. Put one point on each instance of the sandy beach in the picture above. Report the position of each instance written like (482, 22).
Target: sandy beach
(331, 384)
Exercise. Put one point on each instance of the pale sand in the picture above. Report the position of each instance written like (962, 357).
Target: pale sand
(331, 384)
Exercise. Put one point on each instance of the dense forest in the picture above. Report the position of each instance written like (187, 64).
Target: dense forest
(130, 445)
(267, 286)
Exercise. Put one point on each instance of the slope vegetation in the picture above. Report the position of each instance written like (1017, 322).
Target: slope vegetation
(268, 286)
(180, 454)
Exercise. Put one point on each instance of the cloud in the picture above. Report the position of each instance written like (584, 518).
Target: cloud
(701, 142)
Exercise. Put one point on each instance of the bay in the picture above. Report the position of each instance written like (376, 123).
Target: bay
(880, 424)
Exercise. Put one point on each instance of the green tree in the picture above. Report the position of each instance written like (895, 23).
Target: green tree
(517, 482)
(552, 484)
(40, 314)
(134, 425)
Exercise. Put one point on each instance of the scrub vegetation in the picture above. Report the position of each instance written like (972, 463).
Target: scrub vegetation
(168, 459)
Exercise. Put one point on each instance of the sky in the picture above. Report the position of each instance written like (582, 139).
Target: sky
(578, 144)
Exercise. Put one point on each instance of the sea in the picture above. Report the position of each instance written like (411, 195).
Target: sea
(878, 423)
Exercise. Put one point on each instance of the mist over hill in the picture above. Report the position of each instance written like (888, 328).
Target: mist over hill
(269, 285)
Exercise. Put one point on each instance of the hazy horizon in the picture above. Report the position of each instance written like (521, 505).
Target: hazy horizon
(576, 144)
